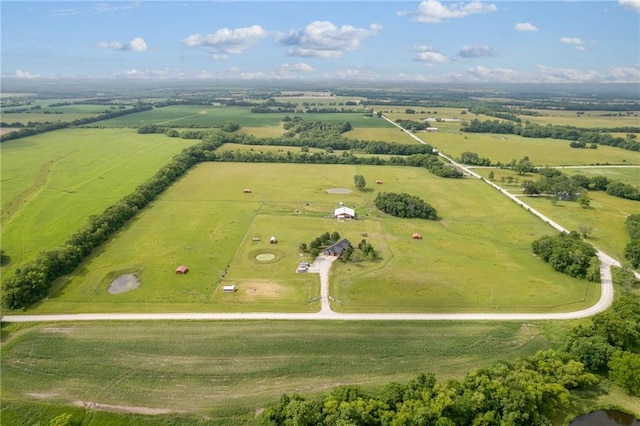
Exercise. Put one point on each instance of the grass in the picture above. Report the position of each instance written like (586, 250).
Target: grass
(504, 148)
(238, 367)
(465, 263)
(587, 120)
(41, 117)
(54, 181)
(628, 175)
(206, 116)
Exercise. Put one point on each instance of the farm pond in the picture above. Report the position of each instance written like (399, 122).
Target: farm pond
(605, 418)
(124, 283)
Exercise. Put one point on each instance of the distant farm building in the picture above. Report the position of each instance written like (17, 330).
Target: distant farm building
(344, 213)
(338, 248)
(431, 129)
(379, 182)
(417, 236)
(181, 269)
(246, 191)
(273, 240)
(229, 288)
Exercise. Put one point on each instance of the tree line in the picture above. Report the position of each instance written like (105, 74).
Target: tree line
(632, 249)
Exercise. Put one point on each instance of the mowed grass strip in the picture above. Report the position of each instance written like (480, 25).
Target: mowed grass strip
(51, 183)
(476, 258)
(237, 367)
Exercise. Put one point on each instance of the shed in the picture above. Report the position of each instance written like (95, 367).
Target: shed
(181, 269)
(273, 240)
(379, 182)
(344, 213)
(417, 236)
(432, 129)
(246, 191)
(229, 288)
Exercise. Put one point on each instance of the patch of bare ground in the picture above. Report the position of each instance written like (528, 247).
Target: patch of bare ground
(263, 288)
(124, 408)
(5, 130)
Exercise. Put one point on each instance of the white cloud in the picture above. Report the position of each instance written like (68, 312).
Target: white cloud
(525, 26)
(137, 45)
(433, 11)
(134, 73)
(24, 74)
(430, 56)
(566, 75)
(225, 42)
(323, 39)
(571, 40)
(625, 74)
(630, 4)
(477, 51)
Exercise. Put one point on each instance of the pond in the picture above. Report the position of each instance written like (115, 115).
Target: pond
(606, 418)
(124, 283)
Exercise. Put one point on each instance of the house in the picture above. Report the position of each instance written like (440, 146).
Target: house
(344, 213)
(338, 248)
(417, 236)
(181, 269)
(229, 288)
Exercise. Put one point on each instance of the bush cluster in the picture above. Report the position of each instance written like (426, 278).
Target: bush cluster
(404, 205)
(569, 254)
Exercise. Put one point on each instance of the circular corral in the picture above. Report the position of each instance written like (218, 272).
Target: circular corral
(124, 283)
(338, 191)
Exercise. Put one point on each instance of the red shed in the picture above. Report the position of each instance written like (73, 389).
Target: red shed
(417, 236)
(181, 269)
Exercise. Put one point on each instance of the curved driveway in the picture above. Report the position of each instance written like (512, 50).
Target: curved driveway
(322, 266)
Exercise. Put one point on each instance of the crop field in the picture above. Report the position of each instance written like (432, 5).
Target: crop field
(458, 266)
(204, 116)
(589, 119)
(237, 367)
(541, 152)
(40, 117)
(54, 181)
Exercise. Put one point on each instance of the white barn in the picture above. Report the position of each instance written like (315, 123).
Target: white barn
(344, 213)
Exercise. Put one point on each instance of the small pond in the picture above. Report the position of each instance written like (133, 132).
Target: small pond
(124, 283)
(605, 418)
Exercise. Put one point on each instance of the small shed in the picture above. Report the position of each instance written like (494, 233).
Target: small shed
(344, 213)
(273, 240)
(378, 182)
(229, 288)
(246, 191)
(417, 236)
(181, 269)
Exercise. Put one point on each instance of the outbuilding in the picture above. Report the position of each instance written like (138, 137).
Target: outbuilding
(344, 213)
(417, 236)
(229, 288)
(378, 182)
(246, 191)
(181, 269)
(273, 240)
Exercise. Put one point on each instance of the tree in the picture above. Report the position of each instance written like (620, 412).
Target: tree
(359, 182)
(585, 230)
(584, 200)
(335, 236)
(624, 369)
(302, 246)
(491, 176)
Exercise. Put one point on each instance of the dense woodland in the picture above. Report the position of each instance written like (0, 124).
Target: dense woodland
(404, 205)
(569, 254)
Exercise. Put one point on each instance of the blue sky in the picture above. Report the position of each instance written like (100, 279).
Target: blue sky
(427, 41)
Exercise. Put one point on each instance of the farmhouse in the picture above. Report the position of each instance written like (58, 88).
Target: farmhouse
(338, 248)
(181, 269)
(344, 213)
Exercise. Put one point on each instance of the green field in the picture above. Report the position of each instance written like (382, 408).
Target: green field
(628, 175)
(51, 183)
(458, 266)
(39, 117)
(504, 148)
(228, 370)
(587, 120)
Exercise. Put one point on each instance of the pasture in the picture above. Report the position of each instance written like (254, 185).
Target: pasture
(227, 370)
(459, 266)
(51, 183)
(541, 151)
(599, 119)
(628, 175)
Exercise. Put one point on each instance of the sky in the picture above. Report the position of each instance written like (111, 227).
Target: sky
(436, 41)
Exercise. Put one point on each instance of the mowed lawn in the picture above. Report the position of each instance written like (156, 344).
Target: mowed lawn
(628, 175)
(231, 369)
(51, 183)
(476, 258)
